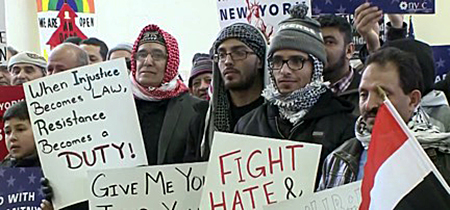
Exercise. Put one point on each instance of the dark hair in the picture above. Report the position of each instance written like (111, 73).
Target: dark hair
(97, 42)
(73, 39)
(12, 50)
(18, 110)
(407, 67)
(339, 22)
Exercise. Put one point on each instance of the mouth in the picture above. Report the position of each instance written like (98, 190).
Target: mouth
(230, 71)
(14, 147)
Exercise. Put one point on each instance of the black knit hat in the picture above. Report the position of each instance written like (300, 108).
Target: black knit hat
(152, 37)
(299, 32)
(424, 55)
(245, 33)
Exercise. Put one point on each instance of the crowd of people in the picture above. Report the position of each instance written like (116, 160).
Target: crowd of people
(301, 87)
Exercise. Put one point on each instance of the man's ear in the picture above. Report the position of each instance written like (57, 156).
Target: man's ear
(415, 98)
(350, 50)
(260, 64)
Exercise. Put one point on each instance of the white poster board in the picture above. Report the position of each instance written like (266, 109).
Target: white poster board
(177, 186)
(2, 33)
(343, 197)
(248, 172)
(84, 119)
(264, 14)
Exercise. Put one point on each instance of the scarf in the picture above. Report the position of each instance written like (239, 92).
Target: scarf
(428, 135)
(172, 85)
(296, 105)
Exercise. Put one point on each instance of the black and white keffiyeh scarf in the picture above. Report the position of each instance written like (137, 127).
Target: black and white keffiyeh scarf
(294, 106)
(428, 135)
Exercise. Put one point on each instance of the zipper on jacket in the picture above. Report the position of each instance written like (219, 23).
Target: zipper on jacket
(278, 129)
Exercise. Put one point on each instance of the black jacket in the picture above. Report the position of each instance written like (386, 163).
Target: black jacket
(329, 122)
(31, 161)
(175, 126)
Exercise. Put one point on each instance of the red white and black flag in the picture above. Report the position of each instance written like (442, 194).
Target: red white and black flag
(398, 173)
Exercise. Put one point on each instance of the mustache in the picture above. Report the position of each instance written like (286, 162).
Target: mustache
(371, 113)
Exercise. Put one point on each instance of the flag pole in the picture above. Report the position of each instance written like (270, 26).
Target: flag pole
(381, 93)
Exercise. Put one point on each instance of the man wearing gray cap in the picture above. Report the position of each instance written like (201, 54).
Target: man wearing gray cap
(26, 66)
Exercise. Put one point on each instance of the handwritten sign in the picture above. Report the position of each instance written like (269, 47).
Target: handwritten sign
(84, 119)
(343, 197)
(2, 33)
(20, 188)
(248, 172)
(9, 96)
(264, 14)
(442, 61)
(388, 6)
(177, 186)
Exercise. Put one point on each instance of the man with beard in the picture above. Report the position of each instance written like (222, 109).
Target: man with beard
(238, 79)
(337, 36)
(26, 66)
(300, 106)
(398, 74)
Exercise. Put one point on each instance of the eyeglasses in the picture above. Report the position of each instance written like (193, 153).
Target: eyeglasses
(156, 55)
(235, 55)
(294, 63)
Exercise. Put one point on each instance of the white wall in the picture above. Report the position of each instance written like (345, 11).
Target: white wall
(194, 23)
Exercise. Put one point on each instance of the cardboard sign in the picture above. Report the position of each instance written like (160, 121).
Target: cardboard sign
(442, 61)
(20, 188)
(9, 96)
(264, 14)
(177, 186)
(84, 119)
(388, 6)
(2, 33)
(248, 172)
(343, 197)
(58, 20)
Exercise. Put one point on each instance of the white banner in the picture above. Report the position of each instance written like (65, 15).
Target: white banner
(343, 197)
(264, 14)
(177, 186)
(2, 33)
(248, 172)
(84, 119)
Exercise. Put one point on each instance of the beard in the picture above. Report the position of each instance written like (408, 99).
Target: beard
(338, 65)
(244, 83)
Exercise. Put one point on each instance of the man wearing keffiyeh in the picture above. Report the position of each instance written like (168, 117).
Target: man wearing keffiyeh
(164, 106)
(300, 106)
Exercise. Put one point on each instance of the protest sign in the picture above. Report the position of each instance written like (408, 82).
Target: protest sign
(58, 20)
(2, 33)
(264, 14)
(343, 197)
(9, 96)
(442, 61)
(84, 119)
(20, 188)
(177, 186)
(388, 6)
(248, 172)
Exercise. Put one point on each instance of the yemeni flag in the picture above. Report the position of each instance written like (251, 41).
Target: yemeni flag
(398, 173)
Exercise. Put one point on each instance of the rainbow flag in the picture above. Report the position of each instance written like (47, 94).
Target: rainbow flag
(83, 6)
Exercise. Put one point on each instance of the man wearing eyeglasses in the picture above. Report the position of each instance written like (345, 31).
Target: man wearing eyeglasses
(300, 106)
(238, 79)
(164, 106)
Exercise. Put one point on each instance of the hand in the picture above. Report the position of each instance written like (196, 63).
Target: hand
(396, 20)
(46, 205)
(366, 23)
(47, 189)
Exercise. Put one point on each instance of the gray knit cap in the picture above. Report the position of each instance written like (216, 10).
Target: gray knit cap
(28, 58)
(299, 32)
(245, 33)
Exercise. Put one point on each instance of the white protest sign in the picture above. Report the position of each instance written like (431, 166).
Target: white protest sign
(84, 119)
(343, 197)
(248, 172)
(177, 186)
(264, 14)
(2, 33)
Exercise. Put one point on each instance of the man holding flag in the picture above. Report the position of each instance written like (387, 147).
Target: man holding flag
(395, 169)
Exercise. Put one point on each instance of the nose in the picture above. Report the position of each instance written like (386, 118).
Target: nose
(11, 137)
(229, 60)
(285, 69)
(148, 59)
(204, 85)
(373, 101)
